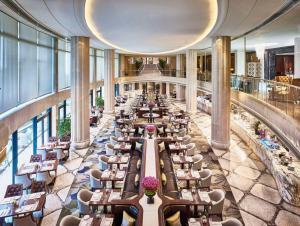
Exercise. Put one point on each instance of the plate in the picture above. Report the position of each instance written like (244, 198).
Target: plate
(192, 220)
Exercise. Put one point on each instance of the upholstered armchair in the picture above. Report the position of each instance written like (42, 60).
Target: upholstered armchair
(205, 178)
(95, 176)
(27, 220)
(113, 140)
(231, 222)
(109, 148)
(36, 158)
(182, 132)
(217, 198)
(23, 179)
(190, 149)
(186, 139)
(103, 162)
(70, 221)
(83, 198)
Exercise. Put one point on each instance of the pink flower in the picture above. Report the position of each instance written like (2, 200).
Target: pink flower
(150, 128)
(150, 183)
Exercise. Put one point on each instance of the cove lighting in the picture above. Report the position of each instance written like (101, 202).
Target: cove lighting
(213, 8)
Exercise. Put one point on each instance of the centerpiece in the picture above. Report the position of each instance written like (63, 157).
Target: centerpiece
(150, 185)
(151, 129)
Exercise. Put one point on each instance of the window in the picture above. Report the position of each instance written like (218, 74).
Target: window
(117, 65)
(100, 64)
(8, 62)
(25, 143)
(64, 65)
(92, 64)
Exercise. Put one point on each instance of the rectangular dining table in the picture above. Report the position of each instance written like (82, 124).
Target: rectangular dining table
(97, 220)
(19, 205)
(177, 148)
(103, 197)
(37, 167)
(182, 160)
(118, 160)
(113, 177)
(189, 175)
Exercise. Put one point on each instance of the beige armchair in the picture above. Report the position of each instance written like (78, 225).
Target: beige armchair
(197, 159)
(186, 139)
(231, 222)
(217, 198)
(95, 179)
(205, 178)
(109, 149)
(83, 198)
(70, 221)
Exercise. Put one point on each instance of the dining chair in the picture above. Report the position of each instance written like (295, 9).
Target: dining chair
(103, 162)
(182, 132)
(109, 149)
(186, 139)
(205, 178)
(190, 151)
(36, 158)
(24, 180)
(231, 222)
(83, 198)
(51, 156)
(38, 186)
(27, 220)
(70, 220)
(113, 140)
(197, 162)
(95, 179)
(118, 132)
(14, 190)
(217, 198)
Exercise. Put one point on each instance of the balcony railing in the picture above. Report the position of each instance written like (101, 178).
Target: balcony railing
(283, 96)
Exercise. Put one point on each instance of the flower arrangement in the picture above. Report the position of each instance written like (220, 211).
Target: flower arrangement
(150, 128)
(151, 104)
(150, 184)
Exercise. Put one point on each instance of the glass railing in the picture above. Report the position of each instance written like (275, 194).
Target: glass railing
(173, 73)
(283, 96)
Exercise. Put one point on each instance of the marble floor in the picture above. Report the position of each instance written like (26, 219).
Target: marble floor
(252, 185)
(251, 192)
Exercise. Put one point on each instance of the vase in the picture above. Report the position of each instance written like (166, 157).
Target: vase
(150, 196)
(150, 135)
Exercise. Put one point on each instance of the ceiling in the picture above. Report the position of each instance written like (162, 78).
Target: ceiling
(157, 26)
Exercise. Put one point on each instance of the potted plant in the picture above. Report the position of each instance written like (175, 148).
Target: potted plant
(150, 185)
(256, 127)
(64, 127)
(100, 104)
(151, 130)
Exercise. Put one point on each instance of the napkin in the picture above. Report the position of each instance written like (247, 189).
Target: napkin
(204, 196)
(176, 158)
(114, 195)
(180, 173)
(120, 174)
(96, 196)
(107, 222)
(186, 194)
(105, 174)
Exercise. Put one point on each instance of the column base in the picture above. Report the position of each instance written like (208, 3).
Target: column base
(80, 145)
(222, 146)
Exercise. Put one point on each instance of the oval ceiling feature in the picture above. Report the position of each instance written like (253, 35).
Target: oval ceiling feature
(151, 27)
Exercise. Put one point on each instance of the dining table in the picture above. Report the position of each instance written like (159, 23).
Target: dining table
(188, 175)
(118, 160)
(97, 220)
(122, 147)
(112, 176)
(182, 160)
(103, 198)
(177, 148)
(21, 205)
(37, 167)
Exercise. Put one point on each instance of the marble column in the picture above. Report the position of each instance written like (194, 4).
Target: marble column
(94, 85)
(54, 120)
(180, 94)
(80, 83)
(179, 65)
(121, 87)
(220, 118)
(241, 62)
(260, 53)
(297, 58)
(109, 75)
(191, 78)
(167, 89)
